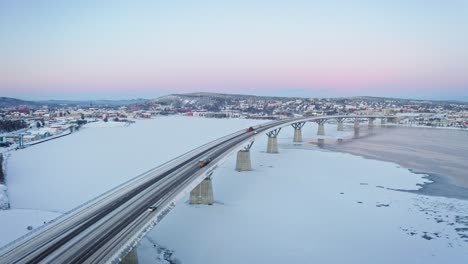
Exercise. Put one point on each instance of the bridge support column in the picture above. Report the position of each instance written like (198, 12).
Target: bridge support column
(357, 122)
(273, 141)
(371, 122)
(203, 193)
(340, 126)
(356, 132)
(298, 131)
(321, 127)
(321, 142)
(131, 258)
(243, 159)
(393, 120)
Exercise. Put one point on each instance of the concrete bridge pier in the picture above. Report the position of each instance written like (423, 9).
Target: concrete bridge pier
(357, 122)
(243, 159)
(321, 127)
(371, 122)
(340, 126)
(273, 141)
(203, 193)
(393, 120)
(298, 131)
(356, 132)
(131, 257)
(321, 142)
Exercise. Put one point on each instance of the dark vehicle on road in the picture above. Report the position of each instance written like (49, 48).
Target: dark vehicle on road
(202, 163)
(250, 129)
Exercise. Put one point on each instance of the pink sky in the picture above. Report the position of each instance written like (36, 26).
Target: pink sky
(145, 48)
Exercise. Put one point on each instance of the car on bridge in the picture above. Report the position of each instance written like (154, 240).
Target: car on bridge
(152, 208)
(251, 129)
(202, 163)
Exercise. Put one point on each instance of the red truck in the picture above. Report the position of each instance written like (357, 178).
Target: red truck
(250, 129)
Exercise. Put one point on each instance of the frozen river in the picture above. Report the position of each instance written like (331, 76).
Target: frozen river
(306, 204)
(443, 153)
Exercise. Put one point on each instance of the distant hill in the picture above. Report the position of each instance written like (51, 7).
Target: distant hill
(111, 103)
(216, 101)
(203, 97)
(199, 95)
(13, 102)
(210, 101)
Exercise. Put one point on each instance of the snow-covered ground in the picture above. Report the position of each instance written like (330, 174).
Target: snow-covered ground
(15, 222)
(302, 205)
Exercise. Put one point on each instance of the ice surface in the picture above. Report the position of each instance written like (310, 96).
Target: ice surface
(305, 206)
(308, 205)
(302, 205)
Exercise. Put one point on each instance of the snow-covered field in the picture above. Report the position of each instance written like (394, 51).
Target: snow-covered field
(302, 205)
(15, 222)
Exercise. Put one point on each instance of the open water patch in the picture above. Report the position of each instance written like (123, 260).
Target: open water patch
(438, 186)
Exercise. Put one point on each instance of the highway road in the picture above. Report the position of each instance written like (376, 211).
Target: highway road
(96, 233)
(106, 228)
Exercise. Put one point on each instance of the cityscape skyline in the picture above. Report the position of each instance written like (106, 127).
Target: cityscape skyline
(110, 50)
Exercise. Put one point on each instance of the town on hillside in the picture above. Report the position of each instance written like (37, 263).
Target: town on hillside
(31, 122)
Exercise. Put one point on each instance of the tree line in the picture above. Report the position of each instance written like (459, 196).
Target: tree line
(12, 125)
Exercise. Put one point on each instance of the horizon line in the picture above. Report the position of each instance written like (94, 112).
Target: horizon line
(460, 99)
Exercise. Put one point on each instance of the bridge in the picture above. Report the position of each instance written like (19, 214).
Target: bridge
(107, 228)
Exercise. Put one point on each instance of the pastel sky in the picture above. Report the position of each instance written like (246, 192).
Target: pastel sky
(127, 49)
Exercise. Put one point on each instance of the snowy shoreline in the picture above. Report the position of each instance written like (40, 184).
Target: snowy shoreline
(437, 185)
(421, 156)
(423, 126)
